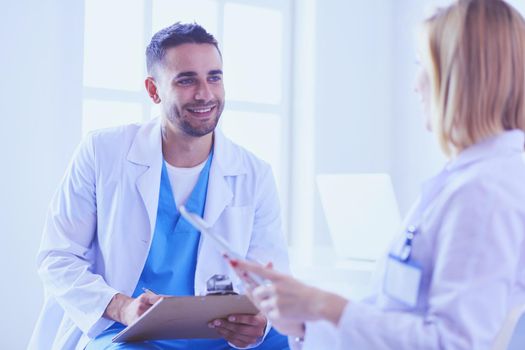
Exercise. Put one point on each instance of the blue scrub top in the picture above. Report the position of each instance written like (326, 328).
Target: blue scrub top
(170, 266)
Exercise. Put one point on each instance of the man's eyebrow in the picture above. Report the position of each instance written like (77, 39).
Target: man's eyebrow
(185, 74)
(215, 72)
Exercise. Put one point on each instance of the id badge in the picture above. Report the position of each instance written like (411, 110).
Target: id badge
(402, 280)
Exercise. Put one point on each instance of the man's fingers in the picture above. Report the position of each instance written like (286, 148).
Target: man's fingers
(150, 298)
(251, 320)
(239, 329)
(236, 338)
(142, 308)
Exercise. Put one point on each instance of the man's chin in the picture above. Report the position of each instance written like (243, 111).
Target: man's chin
(198, 131)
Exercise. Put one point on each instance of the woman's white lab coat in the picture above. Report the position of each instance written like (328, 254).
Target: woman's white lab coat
(471, 246)
(100, 224)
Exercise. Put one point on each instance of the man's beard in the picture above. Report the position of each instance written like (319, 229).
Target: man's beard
(176, 117)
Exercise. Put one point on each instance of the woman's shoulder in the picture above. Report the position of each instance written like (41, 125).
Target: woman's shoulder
(497, 182)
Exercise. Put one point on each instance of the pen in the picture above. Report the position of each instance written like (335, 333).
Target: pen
(146, 290)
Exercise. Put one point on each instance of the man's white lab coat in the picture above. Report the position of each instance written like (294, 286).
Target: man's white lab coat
(100, 225)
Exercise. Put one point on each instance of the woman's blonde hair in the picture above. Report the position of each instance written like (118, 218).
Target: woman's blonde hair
(475, 57)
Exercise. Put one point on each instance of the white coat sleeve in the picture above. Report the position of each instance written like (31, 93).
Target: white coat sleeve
(65, 258)
(477, 250)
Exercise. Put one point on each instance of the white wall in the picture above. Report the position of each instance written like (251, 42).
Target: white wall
(368, 118)
(415, 152)
(40, 91)
(519, 5)
(353, 98)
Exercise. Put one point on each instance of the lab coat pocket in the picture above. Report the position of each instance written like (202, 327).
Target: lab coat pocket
(235, 224)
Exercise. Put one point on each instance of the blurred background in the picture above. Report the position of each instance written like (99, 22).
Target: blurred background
(322, 90)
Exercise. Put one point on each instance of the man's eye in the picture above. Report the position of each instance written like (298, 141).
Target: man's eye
(214, 78)
(185, 81)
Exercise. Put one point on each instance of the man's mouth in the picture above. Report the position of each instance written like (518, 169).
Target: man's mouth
(203, 111)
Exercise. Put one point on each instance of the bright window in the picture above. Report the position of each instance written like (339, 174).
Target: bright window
(255, 35)
(204, 12)
(113, 50)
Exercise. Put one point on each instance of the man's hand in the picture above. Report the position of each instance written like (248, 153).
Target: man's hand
(125, 310)
(241, 330)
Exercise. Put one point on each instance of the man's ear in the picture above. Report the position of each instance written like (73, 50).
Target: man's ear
(151, 88)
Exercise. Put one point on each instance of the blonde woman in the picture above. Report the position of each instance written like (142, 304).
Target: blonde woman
(458, 266)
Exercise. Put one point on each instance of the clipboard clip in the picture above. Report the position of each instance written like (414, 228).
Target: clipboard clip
(219, 285)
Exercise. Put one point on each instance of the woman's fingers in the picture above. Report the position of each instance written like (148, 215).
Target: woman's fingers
(263, 292)
(265, 272)
(265, 298)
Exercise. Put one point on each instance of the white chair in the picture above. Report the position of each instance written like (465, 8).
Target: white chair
(512, 334)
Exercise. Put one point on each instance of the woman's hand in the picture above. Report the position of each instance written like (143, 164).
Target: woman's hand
(286, 301)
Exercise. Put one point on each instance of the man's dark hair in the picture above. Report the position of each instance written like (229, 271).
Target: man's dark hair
(175, 35)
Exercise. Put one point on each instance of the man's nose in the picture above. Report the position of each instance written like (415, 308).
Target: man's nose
(203, 93)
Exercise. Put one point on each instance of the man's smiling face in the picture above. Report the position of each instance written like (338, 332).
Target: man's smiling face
(190, 88)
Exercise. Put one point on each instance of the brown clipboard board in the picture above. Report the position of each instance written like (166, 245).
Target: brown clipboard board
(185, 317)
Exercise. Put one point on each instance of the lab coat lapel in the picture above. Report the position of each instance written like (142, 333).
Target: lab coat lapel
(218, 197)
(226, 162)
(146, 153)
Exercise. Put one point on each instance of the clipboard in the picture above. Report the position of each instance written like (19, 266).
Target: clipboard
(185, 317)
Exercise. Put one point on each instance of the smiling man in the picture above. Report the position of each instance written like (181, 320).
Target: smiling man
(114, 229)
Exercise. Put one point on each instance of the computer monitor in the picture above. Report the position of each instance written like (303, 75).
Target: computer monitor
(361, 212)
